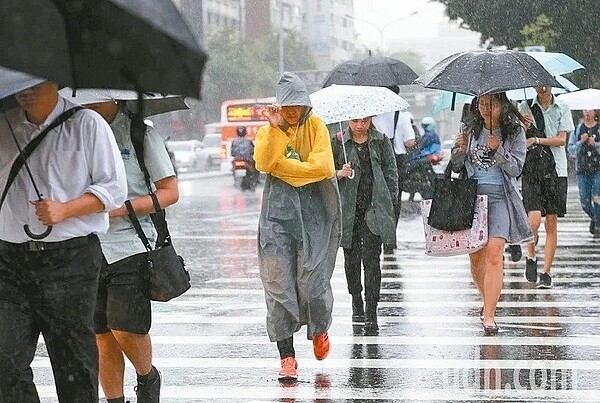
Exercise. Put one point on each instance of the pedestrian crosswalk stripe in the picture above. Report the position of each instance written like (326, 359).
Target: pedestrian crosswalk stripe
(405, 291)
(175, 318)
(333, 363)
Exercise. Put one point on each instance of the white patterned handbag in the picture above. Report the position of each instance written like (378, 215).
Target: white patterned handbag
(452, 243)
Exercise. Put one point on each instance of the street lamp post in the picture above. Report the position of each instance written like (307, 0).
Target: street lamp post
(383, 27)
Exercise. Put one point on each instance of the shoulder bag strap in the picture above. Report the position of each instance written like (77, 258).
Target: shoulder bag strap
(22, 157)
(396, 117)
(137, 226)
(159, 216)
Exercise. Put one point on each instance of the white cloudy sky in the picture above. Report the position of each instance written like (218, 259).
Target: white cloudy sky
(381, 12)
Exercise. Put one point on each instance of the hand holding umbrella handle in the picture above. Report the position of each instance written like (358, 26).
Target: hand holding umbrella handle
(37, 236)
(44, 234)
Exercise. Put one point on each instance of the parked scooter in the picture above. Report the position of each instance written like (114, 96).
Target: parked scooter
(245, 176)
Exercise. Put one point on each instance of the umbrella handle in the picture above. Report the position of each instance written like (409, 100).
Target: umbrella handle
(351, 175)
(37, 236)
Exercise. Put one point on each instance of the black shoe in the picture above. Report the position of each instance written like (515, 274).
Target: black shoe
(531, 270)
(545, 281)
(515, 252)
(388, 250)
(490, 330)
(358, 309)
(149, 391)
(592, 226)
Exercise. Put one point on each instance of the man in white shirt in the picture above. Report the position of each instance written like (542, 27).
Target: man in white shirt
(49, 286)
(397, 126)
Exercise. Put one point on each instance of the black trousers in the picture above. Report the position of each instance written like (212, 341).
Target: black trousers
(365, 250)
(49, 288)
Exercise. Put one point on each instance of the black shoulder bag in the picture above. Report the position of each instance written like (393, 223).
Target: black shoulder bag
(539, 160)
(167, 276)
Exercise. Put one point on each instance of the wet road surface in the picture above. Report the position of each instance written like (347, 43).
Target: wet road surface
(211, 344)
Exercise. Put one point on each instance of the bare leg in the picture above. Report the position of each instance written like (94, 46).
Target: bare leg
(111, 365)
(551, 224)
(535, 218)
(478, 269)
(137, 348)
(494, 274)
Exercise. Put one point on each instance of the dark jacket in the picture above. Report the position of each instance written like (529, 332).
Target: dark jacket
(380, 215)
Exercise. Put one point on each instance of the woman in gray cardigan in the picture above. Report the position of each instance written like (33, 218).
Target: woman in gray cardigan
(492, 149)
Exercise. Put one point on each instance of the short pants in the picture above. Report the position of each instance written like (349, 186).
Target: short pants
(122, 302)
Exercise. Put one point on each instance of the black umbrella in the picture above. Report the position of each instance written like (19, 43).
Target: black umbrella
(122, 44)
(377, 71)
(479, 72)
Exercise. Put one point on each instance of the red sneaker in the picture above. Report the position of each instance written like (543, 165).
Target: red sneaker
(321, 346)
(289, 369)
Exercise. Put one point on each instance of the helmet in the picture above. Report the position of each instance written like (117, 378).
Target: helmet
(241, 131)
(428, 123)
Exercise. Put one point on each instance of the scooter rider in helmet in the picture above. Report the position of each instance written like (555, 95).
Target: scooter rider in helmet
(242, 148)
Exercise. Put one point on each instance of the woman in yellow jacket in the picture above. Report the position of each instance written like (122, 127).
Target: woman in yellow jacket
(299, 226)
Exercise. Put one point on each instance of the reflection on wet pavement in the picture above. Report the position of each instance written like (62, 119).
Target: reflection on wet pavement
(211, 343)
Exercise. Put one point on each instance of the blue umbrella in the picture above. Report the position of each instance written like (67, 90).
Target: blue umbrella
(556, 63)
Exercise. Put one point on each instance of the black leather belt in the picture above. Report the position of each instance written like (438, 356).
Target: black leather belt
(38, 246)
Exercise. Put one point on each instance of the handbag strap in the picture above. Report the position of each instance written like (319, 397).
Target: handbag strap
(137, 226)
(31, 146)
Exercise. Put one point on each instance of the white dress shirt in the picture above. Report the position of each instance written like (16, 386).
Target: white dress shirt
(80, 156)
(384, 123)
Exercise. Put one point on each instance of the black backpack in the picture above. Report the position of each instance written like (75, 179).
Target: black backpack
(539, 160)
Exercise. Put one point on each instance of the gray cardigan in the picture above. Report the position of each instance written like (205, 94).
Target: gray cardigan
(510, 157)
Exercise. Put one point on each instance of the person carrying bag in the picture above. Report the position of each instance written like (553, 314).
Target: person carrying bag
(539, 160)
(167, 276)
(492, 148)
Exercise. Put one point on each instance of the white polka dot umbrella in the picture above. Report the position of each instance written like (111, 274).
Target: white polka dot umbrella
(339, 103)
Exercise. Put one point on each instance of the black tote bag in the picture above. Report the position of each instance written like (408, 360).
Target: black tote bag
(453, 202)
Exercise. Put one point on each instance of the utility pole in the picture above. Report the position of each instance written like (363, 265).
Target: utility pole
(280, 39)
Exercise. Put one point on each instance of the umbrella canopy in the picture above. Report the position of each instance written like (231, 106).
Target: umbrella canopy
(556, 63)
(154, 104)
(444, 101)
(584, 99)
(138, 45)
(479, 72)
(371, 70)
(338, 103)
(12, 81)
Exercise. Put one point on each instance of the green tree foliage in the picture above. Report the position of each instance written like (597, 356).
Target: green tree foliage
(238, 68)
(503, 22)
(540, 32)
